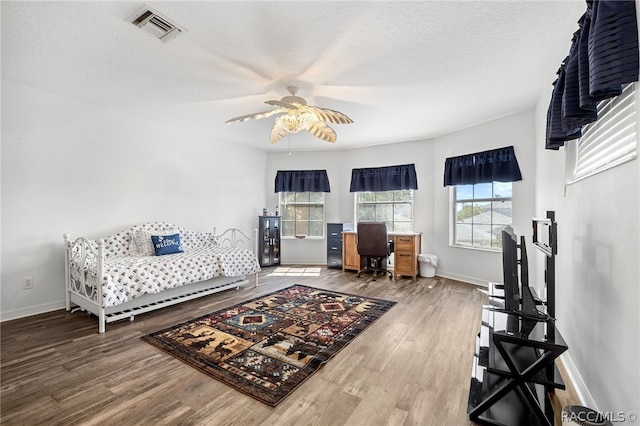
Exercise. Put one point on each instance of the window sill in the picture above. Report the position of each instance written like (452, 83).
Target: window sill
(491, 250)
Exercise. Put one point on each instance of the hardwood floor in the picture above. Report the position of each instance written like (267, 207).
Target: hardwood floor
(411, 367)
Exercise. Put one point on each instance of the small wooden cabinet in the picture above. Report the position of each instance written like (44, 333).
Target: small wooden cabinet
(269, 240)
(351, 260)
(407, 247)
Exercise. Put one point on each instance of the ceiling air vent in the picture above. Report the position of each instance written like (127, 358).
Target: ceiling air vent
(156, 24)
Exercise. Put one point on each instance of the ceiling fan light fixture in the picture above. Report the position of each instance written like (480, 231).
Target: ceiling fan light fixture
(296, 115)
(293, 123)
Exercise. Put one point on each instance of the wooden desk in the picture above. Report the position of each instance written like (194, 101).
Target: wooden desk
(407, 247)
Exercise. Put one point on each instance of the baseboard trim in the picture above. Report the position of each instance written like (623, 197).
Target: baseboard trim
(31, 310)
(576, 381)
(463, 278)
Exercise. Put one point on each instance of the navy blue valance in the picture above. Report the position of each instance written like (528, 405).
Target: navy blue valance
(488, 166)
(603, 57)
(302, 181)
(391, 178)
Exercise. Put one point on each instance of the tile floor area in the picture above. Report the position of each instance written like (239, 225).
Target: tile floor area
(284, 271)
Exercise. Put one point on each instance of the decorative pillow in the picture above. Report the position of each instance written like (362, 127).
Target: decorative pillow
(166, 244)
(141, 244)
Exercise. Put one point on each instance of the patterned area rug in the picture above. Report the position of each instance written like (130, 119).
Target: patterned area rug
(266, 347)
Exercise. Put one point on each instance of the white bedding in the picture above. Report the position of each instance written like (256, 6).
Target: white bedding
(128, 277)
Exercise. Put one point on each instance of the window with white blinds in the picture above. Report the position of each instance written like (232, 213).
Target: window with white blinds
(609, 141)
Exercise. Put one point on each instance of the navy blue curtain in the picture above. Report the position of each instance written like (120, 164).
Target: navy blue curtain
(495, 165)
(302, 181)
(391, 178)
(603, 57)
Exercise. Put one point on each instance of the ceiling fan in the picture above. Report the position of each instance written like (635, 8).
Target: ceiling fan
(296, 115)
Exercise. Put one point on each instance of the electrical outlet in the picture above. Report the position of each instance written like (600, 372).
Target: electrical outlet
(27, 283)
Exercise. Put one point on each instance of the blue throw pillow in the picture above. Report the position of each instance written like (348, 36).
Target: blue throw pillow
(166, 244)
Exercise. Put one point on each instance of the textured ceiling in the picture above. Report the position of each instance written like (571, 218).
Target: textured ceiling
(401, 70)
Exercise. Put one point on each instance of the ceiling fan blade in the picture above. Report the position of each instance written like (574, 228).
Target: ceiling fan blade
(281, 104)
(256, 115)
(277, 132)
(326, 114)
(320, 130)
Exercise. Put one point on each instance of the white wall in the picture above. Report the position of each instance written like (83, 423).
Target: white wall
(431, 200)
(73, 167)
(471, 265)
(596, 274)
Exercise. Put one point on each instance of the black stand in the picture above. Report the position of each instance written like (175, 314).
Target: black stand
(545, 239)
(510, 376)
(514, 365)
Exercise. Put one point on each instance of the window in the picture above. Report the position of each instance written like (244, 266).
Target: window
(302, 214)
(607, 142)
(480, 212)
(393, 207)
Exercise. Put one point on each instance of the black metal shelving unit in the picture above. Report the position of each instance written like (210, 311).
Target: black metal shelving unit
(514, 362)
